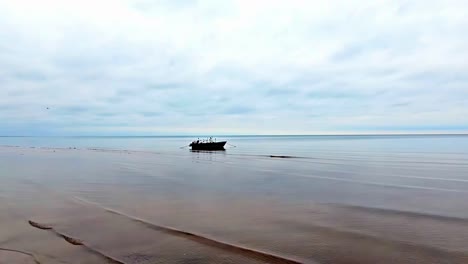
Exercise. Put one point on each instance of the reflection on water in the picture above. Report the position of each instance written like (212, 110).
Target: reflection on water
(330, 200)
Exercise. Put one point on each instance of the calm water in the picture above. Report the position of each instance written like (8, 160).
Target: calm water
(337, 199)
(264, 145)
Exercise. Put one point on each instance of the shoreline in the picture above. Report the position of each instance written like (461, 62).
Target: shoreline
(287, 206)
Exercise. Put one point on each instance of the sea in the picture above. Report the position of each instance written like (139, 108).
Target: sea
(265, 199)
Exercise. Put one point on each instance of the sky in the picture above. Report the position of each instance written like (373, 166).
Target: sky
(177, 67)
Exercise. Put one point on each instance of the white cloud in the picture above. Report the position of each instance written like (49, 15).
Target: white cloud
(240, 66)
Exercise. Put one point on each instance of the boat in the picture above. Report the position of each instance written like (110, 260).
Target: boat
(207, 144)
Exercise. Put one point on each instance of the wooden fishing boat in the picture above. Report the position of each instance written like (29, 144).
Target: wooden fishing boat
(207, 145)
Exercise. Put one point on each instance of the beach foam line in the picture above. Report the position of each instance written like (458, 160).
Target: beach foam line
(345, 173)
(205, 239)
(381, 184)
(75, 242)
(389, 175)
(393, 212)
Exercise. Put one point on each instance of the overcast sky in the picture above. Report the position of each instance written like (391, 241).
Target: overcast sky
(110, 67)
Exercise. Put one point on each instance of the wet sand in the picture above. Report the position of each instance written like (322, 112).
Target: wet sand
(101, 206)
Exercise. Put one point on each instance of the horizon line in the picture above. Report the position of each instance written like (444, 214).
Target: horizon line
(247, 135)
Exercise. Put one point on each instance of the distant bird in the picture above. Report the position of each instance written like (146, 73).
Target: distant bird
(47, 108)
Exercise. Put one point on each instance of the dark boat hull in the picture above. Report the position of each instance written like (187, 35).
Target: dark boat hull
(208, 146)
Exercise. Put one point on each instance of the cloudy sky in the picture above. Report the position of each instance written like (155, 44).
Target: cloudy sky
(111, 67)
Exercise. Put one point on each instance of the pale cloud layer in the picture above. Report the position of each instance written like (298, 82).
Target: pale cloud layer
(229, 67)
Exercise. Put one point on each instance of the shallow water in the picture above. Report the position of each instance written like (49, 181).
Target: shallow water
(361, 199)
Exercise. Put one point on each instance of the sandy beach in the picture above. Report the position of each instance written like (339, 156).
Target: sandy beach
(101, 206)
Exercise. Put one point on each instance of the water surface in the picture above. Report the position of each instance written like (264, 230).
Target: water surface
(333, 199)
